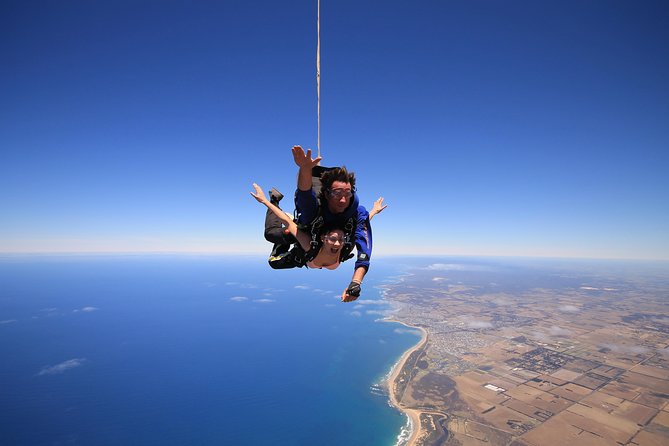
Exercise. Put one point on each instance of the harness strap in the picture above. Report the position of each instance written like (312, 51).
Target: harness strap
(315, 232)
(349, 232)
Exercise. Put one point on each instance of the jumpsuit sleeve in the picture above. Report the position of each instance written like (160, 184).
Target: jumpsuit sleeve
(363, 239)
(306, 205)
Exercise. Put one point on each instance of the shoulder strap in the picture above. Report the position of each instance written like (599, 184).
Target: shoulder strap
(349, 239)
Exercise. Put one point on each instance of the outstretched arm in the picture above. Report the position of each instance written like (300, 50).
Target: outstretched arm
(302, 238)
(377, 208)
(260, 197)
(305, 163)
(363, 244)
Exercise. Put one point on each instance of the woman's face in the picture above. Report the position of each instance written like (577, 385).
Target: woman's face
(333, 241)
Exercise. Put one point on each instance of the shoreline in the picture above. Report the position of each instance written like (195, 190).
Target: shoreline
(412, 414)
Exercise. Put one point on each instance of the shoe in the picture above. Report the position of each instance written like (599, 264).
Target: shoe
(278, 249)
(275, 196)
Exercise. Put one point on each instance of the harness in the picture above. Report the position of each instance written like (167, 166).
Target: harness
(302, 257)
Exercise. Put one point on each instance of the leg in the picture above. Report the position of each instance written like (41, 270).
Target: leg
(274, 230)
(291, 259)
(284, 260)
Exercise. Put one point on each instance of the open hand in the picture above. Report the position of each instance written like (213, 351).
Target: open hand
(259, 195)
(379, 206)
(304, 160)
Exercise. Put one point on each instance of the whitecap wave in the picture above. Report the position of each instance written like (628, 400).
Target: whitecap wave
(405, 433)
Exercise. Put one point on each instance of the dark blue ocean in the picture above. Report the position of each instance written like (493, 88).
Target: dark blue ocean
(192, 350)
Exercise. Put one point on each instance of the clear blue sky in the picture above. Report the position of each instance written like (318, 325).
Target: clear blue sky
(490, 127)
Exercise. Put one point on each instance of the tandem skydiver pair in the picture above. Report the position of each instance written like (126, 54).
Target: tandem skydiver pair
(327, 224)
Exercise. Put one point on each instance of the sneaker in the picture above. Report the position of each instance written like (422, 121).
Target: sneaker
(275, 196)
(278, 249)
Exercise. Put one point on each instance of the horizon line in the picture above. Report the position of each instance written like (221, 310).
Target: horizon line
(380, 255)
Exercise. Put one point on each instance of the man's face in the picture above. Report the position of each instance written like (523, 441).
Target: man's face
(339, 197)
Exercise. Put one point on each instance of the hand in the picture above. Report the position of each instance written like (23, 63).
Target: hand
(351, 293)
(304, 160)
(378, 206)
(259, 195)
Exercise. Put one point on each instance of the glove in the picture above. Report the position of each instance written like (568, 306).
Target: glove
(353, 289)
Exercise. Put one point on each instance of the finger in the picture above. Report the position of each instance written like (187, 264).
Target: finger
(297, 152)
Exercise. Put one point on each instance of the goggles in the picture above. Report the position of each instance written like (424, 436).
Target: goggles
(333, 239)
(339, 193)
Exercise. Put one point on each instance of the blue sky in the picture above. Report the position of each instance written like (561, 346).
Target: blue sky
(490, 127)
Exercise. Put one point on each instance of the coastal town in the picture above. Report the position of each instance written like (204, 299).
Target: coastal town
(533, 364)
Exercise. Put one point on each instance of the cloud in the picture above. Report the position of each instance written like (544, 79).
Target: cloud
(438, 279)
(559, 331)
(456, 267)
(62, 367)
(264, 301)
(89, 309)
(356, 313)
(242, 285)
(502, 301)
(302, 287)
(412, 331)
(569, 309)
(378, 312)
(48, 312)
(371, 302)
(239, 298)
(445, 267)
(619, 348)
(7, 321)
(479, 324)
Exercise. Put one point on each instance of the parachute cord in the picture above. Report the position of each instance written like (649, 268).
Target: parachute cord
(318, 76)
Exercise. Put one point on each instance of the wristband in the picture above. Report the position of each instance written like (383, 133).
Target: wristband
(353, 289)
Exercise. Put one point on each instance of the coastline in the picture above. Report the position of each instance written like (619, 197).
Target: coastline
(412, 414)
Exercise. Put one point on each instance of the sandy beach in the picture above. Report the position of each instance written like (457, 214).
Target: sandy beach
(413, 414)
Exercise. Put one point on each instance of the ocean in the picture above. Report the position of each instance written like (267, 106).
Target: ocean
(201, 350)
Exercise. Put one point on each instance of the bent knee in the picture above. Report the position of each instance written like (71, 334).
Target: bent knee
(274, 235)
